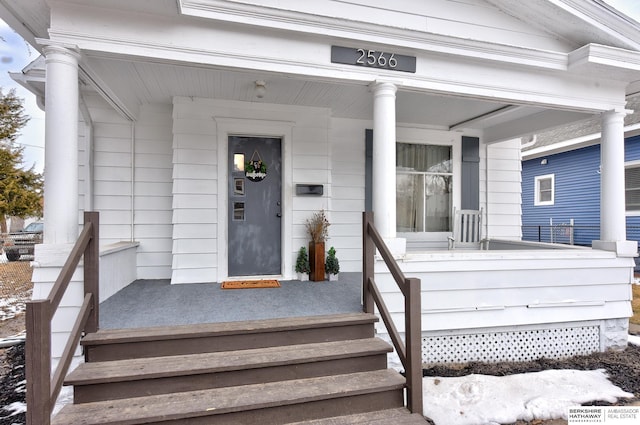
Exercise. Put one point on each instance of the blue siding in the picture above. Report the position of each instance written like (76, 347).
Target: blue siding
(577, 194)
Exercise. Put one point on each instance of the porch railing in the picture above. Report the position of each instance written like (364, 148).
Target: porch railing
(409, 351)
(43, 388)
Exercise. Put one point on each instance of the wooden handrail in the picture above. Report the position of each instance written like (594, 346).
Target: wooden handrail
(42, 389)
(410, 351)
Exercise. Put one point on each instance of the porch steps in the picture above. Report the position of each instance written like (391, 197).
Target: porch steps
(320, 370)
(98, 381)
(119, 344)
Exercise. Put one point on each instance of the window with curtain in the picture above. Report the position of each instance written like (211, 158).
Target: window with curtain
(424, 179)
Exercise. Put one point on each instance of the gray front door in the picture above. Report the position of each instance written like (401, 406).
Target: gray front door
(255, 243)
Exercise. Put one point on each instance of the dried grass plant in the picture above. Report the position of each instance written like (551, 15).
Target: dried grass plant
(318, 227)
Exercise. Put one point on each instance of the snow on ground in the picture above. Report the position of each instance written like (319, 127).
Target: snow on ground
(11, 307)
(635, 340)
(483, 399)
(494, 400)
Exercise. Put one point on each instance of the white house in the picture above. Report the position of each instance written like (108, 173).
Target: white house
(153, 108)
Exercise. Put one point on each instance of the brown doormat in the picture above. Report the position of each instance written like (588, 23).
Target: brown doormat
(245, 284)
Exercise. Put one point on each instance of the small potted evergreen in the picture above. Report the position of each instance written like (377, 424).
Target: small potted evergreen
(332, 266)
(302, 265)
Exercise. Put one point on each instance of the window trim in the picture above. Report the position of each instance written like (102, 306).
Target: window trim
(537, 180)
(437, 138)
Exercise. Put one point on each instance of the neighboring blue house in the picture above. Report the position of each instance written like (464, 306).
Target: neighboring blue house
(561, 183)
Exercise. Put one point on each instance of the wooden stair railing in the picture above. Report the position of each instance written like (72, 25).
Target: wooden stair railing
(409, 353)
(43, 388)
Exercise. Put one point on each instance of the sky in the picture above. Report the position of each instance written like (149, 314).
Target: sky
(15, 54)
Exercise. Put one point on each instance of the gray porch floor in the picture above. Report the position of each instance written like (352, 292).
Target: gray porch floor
(158, 303)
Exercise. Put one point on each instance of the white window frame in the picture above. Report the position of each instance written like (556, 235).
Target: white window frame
(442, 138)
(538, 179)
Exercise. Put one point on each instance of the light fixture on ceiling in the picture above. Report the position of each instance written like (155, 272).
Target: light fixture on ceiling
(260, 89)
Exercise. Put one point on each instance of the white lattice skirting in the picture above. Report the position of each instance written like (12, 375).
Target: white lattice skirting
(512, 345)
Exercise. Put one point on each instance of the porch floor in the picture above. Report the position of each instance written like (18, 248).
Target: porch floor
(158, 303)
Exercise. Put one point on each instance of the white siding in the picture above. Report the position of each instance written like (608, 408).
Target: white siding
(347, 191)
(152, 206)
(503, 190)
(133, 205)
(448, 17)
(489, 289)
(112, 161)
(198, 176)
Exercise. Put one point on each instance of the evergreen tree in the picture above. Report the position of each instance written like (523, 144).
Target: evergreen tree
(20, 189)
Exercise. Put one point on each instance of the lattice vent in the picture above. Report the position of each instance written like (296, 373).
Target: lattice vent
(521, 345)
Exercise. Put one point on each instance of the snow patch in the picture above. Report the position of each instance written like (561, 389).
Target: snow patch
(11, 307)
(489, 400)
(15, 408)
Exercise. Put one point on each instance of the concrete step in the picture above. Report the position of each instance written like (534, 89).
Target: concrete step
(119, 344)
(118, 379)
(400, 416)
(268, 403)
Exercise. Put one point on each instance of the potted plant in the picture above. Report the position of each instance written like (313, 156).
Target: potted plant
(318, 229)
(332, 266)
(302, 265)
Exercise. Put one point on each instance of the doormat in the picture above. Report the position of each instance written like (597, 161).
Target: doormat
(247, 284)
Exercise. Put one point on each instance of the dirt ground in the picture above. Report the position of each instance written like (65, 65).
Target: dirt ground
(15, 290)
(635, 304)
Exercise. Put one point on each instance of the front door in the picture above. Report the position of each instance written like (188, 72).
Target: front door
(255, 190)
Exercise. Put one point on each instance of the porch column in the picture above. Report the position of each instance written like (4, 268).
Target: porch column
(384, 158)
(612, 193)
(61, 145)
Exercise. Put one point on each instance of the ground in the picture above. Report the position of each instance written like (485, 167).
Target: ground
(635, 319)
(15, 289)
(623, 367)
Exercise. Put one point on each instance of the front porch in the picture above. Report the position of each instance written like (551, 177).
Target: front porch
(158, 303)
(513, 301)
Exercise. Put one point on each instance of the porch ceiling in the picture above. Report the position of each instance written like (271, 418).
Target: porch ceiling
(133, 83)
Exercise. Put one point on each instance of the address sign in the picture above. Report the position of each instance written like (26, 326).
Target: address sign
(373, 59)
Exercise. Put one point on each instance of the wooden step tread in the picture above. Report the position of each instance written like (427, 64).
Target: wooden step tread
(112, 336)
(400, 416)
(192, 364)
(219, 401)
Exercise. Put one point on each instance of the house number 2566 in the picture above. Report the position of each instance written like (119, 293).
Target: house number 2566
(376, 59)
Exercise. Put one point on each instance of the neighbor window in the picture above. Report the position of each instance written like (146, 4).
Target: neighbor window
(424, 179)
(545, 190)
(632, 187)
